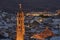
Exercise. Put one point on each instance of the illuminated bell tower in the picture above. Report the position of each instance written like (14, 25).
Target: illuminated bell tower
(20, 30)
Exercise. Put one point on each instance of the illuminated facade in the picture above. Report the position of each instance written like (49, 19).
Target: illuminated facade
(45, 34)
(20, 30)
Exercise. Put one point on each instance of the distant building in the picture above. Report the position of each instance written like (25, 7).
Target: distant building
(58, 11)
(56, 21)
(41, 13)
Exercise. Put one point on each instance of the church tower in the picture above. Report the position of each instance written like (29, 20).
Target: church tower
(20, 29)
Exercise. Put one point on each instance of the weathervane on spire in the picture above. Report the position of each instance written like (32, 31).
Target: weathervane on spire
(20, 6)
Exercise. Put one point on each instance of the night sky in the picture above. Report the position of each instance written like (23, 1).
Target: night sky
(12, 5)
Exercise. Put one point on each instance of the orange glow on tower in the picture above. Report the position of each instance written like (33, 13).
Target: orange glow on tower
(20, 29)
